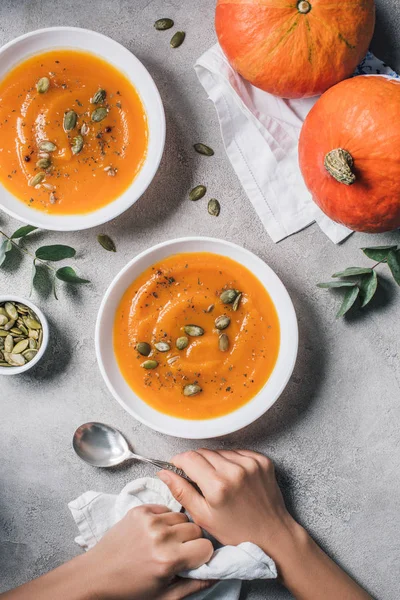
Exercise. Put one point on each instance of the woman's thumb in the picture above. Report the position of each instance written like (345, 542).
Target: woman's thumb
(182, 491)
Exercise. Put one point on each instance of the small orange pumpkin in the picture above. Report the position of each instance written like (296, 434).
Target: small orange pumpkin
(349, 153)
(294, 49)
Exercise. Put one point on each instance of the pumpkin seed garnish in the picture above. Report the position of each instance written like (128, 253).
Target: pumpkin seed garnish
(143, 348)
(43, 163)
(223, 342)
(77, 144)
(191, 389)
(182, 342)
(197, 192)
(47, 146)
(228, 296)
(21, 346)
(213, 207)
(99, 97)
(173, 359)
(53, 198)
(43, 85)
(236, 303)
(150, 364)
(84, 129)
(193, 330)
(36, 179)
(99, 114)
(203, 149)
(163, 24)
(70, 118)
(162, 346)
(177, 39)
(222, 322)
(210, 308)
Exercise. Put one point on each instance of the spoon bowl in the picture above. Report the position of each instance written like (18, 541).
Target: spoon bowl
(100, 445)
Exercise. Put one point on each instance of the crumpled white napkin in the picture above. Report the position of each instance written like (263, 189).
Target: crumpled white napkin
(95, 513)
(260, 133)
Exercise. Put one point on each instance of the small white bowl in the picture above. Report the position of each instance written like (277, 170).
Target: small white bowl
(185, 428)
(74, 38)
(45, 341)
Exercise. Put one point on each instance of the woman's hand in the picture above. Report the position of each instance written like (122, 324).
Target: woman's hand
(141, 555)
(242, 500)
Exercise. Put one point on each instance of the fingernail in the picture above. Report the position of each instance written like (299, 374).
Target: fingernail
(164, 476)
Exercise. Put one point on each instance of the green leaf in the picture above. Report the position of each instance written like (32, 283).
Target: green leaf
(336, 284)
(352, 272)
(5, 247)
(368, 287)
(349, 298)
(23, 231)
(107, 243)
(378, 253)
(55, 253)
(393, 261)
(33, 275)
(68, 274)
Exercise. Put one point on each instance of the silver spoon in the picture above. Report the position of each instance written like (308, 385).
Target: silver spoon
(101, 445)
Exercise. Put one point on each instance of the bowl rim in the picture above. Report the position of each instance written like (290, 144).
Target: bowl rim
(292, 356)
(45, 327)
(98, 218)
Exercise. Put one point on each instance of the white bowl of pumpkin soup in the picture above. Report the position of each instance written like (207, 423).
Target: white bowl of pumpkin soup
(82, 128)
(196, 337)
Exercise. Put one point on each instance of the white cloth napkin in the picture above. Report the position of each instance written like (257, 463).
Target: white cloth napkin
(260, 133)
(95, 512)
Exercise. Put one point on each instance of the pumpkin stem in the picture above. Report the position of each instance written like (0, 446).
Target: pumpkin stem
(338, 163)
(303, 6)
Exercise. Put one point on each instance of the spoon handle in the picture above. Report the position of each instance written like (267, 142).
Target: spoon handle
(161, 464)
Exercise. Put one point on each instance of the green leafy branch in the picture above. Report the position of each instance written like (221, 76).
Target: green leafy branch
(362, 282)
(43, 256)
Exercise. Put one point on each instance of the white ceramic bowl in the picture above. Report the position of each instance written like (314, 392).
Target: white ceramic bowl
(196, 429)
(45, 341)
(83, 39)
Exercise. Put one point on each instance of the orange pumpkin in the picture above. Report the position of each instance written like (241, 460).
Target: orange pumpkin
(349, 153)
(294, 49)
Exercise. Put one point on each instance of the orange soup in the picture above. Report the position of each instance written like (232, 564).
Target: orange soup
(196, 336)
(73, 132)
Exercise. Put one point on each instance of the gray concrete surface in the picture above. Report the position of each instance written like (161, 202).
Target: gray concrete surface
(334, 433)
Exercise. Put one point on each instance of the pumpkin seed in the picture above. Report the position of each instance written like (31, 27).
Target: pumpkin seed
(38, 178)
(197, 192)
(84, 129)
(43, 85)
(53, 198)
(2, 311)
(43, 155)
(162, 346)
(150, 364)
(15, 360)
(223, 342)
(203, 149)
(16, 331)
(191, 389)
(236, 303)
(228, 296)
(11, 310)
(32, 323)
(9, 325)
(70, 118)
(177, 39)
(163, 24)
(107, 243)
(143, 348)
(222, 322)
(43, 163)
(210, 308)
(182, 342)
(99, 114)
(33, 334)
(23, 310)
(173, 359)
(3, 333)
(40, 338)
(77, 144)
(21, 346)
(193, 330)
(8, 344)
(32, 344)
(99, 96)
(3, 320)
(29, 354)
(47, 146)
(213, 207)
(22, 327)
(4, 364)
